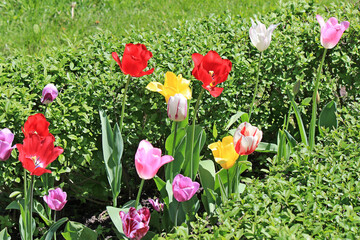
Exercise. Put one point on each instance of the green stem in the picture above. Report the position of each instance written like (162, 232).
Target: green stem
(123, 103)
(256, 86)
(193, 134)
(171, 164)
(176, 214)
(114, 201)
(229, 185)
(31, 204)
(25, 204)
(139, 193)
(313, 114)
(55, 222)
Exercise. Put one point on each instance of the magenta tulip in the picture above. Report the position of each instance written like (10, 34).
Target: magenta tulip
(49, 94)
(135, 223)
(148, 160)
(6, 138)
(183, 188)
(156, 204)
(246, 138)
(56, 199)
(331, 31)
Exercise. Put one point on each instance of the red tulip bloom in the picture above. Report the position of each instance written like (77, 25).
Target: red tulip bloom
(36, 153)
(135, 223)
(37, 124)
(135, 60)
(211, 69)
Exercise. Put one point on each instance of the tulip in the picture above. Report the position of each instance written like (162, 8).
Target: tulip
(135, 60)
(148, 160)
(211, 70)
(177, 108)
(37, 124)
(259, 36)
(224, 152)
(6, 139)
(331, 31)
(246, 138)
(173, 84)
(156, 205)
(49, 94)
(135, 223)
(183, 188)
(56, 199)
(37, 153)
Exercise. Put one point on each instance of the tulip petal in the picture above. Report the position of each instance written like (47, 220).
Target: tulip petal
(117, 59)
(155, 87)
(345, 25)
(320, 20)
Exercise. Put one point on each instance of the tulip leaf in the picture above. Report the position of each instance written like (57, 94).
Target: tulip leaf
(215, 132)
(327, 118)
(4, 235)
(160, 184)
(199, 141)
(77, 231)
(290, 139)
(267, 147)
(52, 230)
(207, 179)
(115, 218)
(244, 118)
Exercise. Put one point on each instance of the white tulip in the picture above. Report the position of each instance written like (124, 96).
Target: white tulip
(177, 107)
(260, 36)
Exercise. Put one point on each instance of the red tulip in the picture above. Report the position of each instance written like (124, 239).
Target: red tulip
(211, 69)
(37, 153)
(135, 60)
(135, 223)
(37, 124)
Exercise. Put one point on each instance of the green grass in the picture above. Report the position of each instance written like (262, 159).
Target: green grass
(34, 26)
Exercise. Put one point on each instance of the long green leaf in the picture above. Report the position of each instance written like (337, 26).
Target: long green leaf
(207, 178)
(52, 230)
(77, 231)
(267, 147)
(244, 117)
(4, 235)
(179, 156)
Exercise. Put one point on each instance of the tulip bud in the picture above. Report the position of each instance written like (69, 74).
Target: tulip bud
(246, 138)
(49, 94)
(260, 36)
(331, 31)
(183, 188)
(177, 107)
(56, 199)
(6, 138)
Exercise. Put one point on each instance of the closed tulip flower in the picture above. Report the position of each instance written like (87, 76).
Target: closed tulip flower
(177, 108)
(6, 139)
(56, 199)
(260, 36)
(148, 160)
(331, 31)
(246, 138)
(224, 152)
(183, 188)
(49, 94)
(135, 223)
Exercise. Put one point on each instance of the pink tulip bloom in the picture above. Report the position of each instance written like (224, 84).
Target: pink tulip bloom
(156, 204)
(56, 199)
(183, 188)
(49, 94)
(331, 31)
(148, 160)
(135, 223)
(246, 138)
(177, 107)
(6, 138)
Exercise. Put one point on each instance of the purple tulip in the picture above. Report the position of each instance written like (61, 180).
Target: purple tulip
(156, 205)
(183, 188)
(49, 93)
(331, 31)
(135, 223)
(56, 199)
(6, 138)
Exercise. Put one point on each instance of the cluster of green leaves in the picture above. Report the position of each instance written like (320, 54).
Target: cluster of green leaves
(312, 196)
(88, 79)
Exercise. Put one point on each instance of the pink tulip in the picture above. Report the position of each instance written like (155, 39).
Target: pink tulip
(49, 93)
(135, 223)
(246, 138)
(183, 188)
(6, 138)
(148, 160)
(156, 205)
(331, 31)
(56, 199)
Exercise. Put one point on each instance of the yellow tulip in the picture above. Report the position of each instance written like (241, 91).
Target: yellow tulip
(172, 86)
(224, 152)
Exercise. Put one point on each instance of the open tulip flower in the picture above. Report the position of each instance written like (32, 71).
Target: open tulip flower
(49, 93)
(211, 70)
(246, 138)
(6, 139)
(173, 84)
(135, 60)
(37, 124)
(156, 204)
(148, 160)
(183, 188)
(331, 31)
(224, 152)
(260, 36)
(177, 108)
(37, 153)
(56, 199)
(135, 223)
